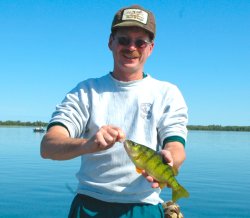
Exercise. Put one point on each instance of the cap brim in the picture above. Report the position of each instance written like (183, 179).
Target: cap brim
(128, 24)
(131, 24)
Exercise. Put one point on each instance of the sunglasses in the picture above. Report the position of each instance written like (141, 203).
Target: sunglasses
(139, 43)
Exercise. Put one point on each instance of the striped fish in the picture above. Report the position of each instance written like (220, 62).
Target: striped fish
(149, 160)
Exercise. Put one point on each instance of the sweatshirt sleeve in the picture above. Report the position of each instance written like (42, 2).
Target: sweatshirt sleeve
(173, 121)
(73, 112)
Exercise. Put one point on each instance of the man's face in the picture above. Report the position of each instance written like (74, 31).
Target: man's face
(130, 52)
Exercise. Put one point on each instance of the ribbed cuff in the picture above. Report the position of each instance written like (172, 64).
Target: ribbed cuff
(174, 139)
(57, 124)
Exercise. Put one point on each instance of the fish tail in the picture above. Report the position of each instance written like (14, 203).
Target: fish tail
(179, 192)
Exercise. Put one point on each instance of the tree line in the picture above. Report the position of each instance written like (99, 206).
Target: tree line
(21, 123)
(219, 128)
(190, 127)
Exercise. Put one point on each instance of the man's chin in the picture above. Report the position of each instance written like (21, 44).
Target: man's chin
(130, 62)
(129, 67)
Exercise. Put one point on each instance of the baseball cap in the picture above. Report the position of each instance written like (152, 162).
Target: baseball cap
(135, 16)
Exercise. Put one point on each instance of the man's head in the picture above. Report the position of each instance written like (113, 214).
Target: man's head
(131, 41)
(135, 16)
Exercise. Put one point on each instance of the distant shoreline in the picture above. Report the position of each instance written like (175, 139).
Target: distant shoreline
(21, 123)
(219, 128)
(190, 127)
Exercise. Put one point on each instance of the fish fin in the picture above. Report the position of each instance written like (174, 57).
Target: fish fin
(178, 193)
(162, 185)
(138, 170)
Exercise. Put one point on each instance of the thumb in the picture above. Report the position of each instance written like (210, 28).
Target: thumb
(121, 136)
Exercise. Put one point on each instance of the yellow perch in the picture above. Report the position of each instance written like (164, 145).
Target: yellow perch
(149, 160)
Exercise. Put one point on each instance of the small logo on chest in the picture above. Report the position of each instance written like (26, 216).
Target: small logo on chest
(146, 110)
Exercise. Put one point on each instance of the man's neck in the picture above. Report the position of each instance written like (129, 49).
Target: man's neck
(126, 77)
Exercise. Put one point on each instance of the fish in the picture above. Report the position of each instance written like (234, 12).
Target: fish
(145, 158)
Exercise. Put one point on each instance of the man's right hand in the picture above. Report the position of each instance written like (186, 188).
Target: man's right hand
(105, 138)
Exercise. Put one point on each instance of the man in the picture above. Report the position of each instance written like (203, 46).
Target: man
(98, 114)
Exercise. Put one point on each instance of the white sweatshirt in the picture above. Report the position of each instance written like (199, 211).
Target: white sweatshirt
(147, 110)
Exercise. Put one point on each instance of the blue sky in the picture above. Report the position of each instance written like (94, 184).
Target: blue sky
(47, 47)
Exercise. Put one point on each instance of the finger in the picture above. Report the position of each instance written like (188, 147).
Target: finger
(144, 173)
(110, 130)
(155, 185)
(150, 179)
(167, 157)
(106, 135)
(100, 141)
(109, 138)
(121, 136)
(117, 133)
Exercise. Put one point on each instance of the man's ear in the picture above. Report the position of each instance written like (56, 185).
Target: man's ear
(151, 48)
(111, 39)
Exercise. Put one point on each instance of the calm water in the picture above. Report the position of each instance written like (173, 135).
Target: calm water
(216, 173)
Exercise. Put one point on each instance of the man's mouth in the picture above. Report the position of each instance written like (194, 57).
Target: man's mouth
(131, 55)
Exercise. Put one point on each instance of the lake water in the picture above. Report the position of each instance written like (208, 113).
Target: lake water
(216, 173)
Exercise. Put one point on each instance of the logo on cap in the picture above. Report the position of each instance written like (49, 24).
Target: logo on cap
(135, 14)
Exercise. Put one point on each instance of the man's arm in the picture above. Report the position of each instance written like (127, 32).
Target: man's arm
(57, 144)
(177, 154)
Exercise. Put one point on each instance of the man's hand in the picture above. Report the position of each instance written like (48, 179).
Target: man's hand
(105, 138)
